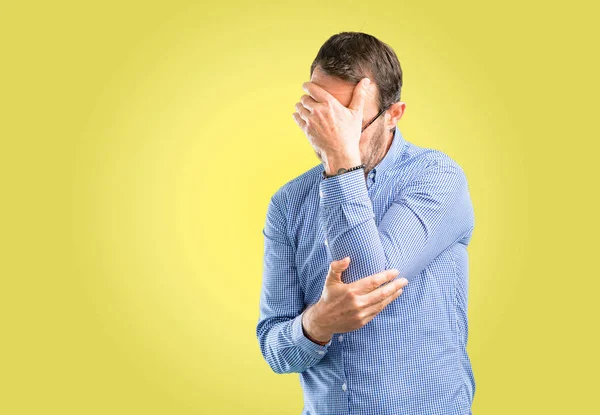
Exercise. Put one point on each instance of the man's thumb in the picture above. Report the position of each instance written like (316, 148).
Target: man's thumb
(359, 94)
(336, 268)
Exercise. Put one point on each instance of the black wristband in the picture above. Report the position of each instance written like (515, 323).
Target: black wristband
(343, 170)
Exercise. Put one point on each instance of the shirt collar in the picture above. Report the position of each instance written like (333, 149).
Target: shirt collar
(393, 154)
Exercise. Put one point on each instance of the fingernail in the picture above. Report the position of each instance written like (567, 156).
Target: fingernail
(403, 280)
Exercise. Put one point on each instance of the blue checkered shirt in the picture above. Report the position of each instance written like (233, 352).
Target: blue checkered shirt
(413, 213)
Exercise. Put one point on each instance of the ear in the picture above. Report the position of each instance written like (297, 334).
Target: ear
(396, 110)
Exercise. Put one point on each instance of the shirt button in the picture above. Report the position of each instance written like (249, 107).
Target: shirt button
(321, 352)
(344, 386)
(341, 338)
(326, 242)
(321, 193)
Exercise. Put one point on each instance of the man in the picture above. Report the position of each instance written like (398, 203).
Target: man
(365, 280)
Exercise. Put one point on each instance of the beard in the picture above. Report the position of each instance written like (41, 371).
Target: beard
(375, 148)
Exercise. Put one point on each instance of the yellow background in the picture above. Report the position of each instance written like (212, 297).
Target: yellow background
(141, 143)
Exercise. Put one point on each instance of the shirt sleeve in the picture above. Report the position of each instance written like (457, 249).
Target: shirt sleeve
(431, 213)
(279, 330)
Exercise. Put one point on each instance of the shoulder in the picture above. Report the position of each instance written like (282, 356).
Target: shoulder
(429, 168)
(420, 159)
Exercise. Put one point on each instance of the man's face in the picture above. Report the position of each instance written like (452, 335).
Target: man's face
(372, 139)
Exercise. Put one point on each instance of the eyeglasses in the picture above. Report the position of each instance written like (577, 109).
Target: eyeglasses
(373, 120)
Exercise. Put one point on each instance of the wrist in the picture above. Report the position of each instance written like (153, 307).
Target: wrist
(312, 329)
(336, 162)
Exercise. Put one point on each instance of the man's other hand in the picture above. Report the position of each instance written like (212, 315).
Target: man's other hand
(346, 307)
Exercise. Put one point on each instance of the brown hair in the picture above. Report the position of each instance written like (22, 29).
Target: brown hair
(352, 56)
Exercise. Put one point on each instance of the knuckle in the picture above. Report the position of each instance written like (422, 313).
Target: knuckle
(357, 303)
(361, 316)
(386, 292)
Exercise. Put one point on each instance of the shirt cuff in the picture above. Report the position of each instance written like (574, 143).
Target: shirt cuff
(304, 342)
(343, 188)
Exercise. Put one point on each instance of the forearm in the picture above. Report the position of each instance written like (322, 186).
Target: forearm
(430, 214)
(346, 214)
(279, 330)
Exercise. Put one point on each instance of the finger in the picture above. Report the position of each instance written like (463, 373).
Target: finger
(318, 93)
(337, 267)
(308, 102)
(359, 95)
(303, 112)
(384, 291)
(375, 309)
(299, 120)
(368, 284)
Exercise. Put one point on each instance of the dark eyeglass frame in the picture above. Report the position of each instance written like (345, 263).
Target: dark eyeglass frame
(373, 120)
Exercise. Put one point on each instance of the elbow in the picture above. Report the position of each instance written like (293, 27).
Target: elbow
(272, 361)
(278, 361)
(278, 348)
(277, 365)
(269, 354)
(279, 369)
(470, 226)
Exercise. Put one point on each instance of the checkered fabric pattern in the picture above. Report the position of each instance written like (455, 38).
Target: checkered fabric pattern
(413, 213)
